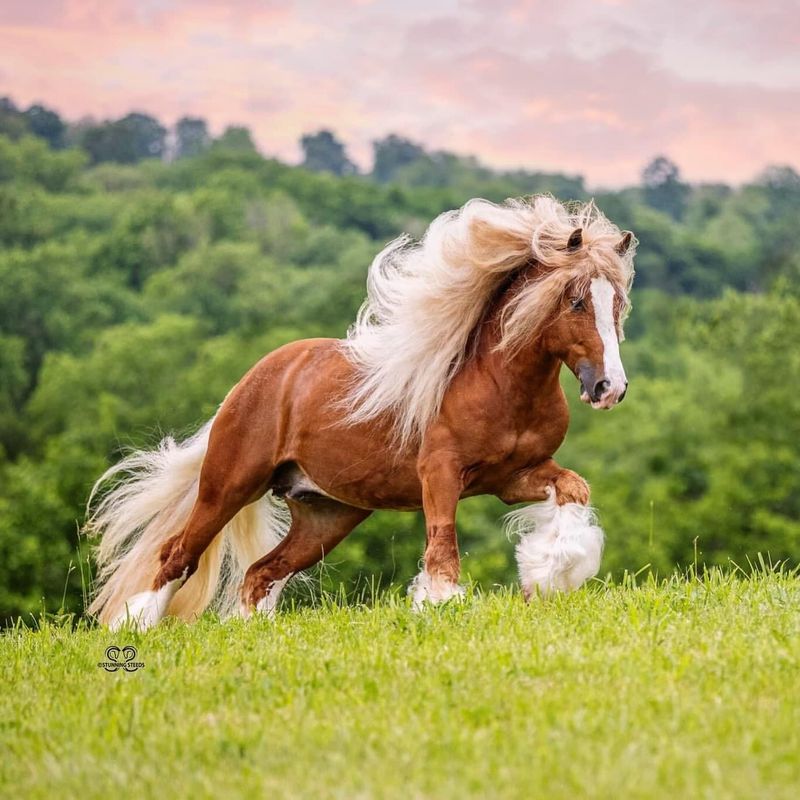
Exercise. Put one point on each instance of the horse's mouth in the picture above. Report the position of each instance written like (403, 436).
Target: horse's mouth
(606, 401)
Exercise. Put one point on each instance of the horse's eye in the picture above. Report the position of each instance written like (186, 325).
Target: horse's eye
(578, 304)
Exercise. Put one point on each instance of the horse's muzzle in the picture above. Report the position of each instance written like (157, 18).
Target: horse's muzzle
(598, 390)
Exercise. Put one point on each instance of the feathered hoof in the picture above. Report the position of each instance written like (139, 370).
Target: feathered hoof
(146, 609)
(560, 547)
(267, 604)
(433, 589)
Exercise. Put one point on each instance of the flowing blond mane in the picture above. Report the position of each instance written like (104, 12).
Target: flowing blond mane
(425, 298)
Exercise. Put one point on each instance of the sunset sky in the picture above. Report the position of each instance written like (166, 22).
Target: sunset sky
(595, 87)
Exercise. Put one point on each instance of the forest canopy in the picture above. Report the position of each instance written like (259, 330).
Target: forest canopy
(143, 270)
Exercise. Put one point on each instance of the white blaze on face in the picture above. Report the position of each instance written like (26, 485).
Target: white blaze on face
(603, 303)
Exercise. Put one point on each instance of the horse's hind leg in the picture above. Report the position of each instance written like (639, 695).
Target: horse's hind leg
(318, 525)
(227, 484)
(231, 477)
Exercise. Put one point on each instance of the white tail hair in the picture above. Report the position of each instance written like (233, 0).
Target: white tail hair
(152, 502)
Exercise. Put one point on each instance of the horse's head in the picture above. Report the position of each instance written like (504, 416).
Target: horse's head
(586, 329)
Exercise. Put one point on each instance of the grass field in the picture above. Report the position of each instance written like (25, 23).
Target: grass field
(688, 688)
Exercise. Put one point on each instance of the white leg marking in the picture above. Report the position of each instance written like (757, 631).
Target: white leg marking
(603, 303)
(559, 548)
(146, 609)
(269, 602)
(426, 588)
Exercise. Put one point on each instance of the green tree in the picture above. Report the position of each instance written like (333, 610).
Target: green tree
(323, 152)
(46, 124)
(391, 154)
(14, 387)
(128, 140)
(30, 160)
(149, 234)
(236, 138)
(192, 137)
(663, 188)
(12, 122)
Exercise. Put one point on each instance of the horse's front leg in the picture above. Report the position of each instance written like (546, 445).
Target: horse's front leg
(560, 543)
(536, 483)
(441, 488)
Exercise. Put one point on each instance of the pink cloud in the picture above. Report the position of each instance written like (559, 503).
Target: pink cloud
(591, 87)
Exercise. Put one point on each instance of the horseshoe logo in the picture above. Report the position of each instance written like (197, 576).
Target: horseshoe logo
(129, 654)
(123, 658)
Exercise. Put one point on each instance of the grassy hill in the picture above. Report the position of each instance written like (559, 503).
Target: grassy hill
(686, 687)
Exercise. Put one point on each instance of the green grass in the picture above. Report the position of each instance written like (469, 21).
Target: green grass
(687, 688)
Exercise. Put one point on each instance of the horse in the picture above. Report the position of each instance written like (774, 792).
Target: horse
(446, 386)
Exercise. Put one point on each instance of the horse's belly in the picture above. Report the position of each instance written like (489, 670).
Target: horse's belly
(378, 489)
(360, 471)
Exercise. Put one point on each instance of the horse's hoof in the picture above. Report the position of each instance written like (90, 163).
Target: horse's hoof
(433, 589)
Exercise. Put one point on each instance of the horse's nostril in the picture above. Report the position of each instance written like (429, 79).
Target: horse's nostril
(600, 388)
(624, 392)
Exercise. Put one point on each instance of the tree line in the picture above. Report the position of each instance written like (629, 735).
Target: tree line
(135, 291)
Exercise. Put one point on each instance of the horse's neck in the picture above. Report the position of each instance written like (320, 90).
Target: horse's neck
(530, 367)
(529, 376)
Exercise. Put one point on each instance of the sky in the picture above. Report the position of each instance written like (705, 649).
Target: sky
(590, 87)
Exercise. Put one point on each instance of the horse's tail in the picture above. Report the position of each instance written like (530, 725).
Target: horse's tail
(151, 502)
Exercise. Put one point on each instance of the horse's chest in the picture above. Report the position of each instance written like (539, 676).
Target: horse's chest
(537, 440)
(529, 443)
(529, 447)
(510, 451)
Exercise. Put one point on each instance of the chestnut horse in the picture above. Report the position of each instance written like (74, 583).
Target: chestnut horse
(447, 386)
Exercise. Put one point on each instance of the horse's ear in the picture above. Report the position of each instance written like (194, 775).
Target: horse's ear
(624, 243)
(575, 241)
